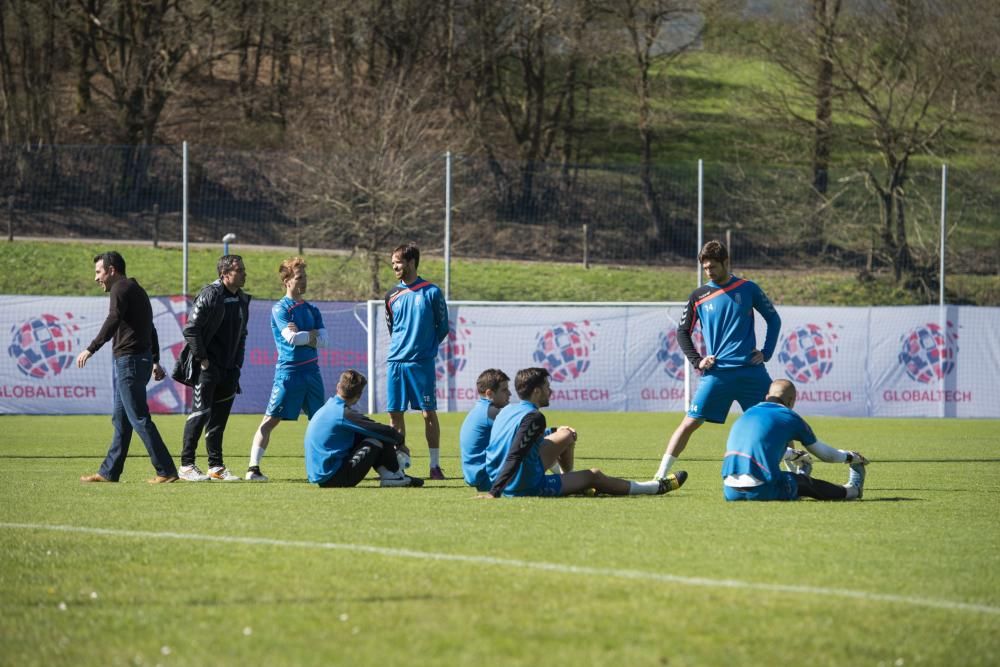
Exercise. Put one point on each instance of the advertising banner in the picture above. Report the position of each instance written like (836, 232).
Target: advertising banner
(853, 362)
(38, 375)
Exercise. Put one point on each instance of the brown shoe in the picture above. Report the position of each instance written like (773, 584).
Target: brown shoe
(94, 478)
(160, 479)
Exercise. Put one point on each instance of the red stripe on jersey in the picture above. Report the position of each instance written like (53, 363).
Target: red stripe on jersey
(722, 290)
(409, 288)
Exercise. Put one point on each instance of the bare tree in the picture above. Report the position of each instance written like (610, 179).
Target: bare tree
(900, 69)
(646, 24)
(369, 171)
(528, 69)
(144, 50)
(29, 34)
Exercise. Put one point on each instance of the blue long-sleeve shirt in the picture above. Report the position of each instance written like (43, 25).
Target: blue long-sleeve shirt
(725, 313)
(474, 438)
(513, 461)
(305, 317)
(331, 435)
(417, 318)
(758, 439)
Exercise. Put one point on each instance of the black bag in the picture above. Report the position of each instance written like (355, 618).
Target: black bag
(185, 370)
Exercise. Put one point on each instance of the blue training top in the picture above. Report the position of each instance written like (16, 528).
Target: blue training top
(305, 317)
(726, 316)
(417, 317)
(513, 462)
(758, 440)
(474, 438)
(331, 435)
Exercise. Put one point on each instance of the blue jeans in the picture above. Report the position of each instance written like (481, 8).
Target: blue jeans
(131, 412)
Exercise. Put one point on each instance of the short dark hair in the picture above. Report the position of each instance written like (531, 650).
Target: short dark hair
(228, 263)
(529, 379)
(713, 250)
(111, 258)
(351, 384)
(409, 251)
(490, 379)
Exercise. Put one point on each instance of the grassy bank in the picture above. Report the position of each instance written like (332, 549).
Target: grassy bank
(66, 269)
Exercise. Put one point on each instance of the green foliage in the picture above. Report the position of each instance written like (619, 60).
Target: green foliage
(642, 580)
(66, 269)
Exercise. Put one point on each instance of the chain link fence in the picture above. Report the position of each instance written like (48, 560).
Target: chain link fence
(602, 214)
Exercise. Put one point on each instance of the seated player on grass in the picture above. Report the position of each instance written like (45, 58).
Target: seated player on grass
(519, 453)
(342, 445)
(493, 386)
(757, 445)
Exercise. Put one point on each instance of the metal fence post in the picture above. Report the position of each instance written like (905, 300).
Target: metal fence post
(447, 225)
(156, 225)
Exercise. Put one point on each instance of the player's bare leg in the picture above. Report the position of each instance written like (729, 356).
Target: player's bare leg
(432, 431)
(559, 447)
(579, 481)
(261, 438)
(678, 441)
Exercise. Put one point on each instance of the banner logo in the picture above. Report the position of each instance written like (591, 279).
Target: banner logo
(169, 396)
(807, 352)
(44, 346)
(927, 353)
(453, 353)
(672, 356)
(564, 350)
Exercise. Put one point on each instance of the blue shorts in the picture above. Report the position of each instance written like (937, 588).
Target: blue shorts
(410, 384)
(718, 389)
(295, 390)
(482, 481)
(548, 486)
(783, 487)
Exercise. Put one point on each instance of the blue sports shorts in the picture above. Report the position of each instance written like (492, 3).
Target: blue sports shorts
(782, 487)
(549, 486)
(718, 389)
(410, 384)
(295, 390)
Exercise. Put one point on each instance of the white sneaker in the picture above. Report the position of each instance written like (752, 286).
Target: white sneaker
(192, 473)
(255, 475)
(401, 480)
(403, 458)
(856, 478)
(221, 473)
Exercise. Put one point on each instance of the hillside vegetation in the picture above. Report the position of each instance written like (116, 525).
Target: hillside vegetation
(66, 269)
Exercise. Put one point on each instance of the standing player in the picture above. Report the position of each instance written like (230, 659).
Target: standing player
(519, 452)
(417, 317)
(757, 444)
(298, 331)
(734, 368)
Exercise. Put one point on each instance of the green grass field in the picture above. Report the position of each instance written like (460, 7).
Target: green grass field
(285, 573)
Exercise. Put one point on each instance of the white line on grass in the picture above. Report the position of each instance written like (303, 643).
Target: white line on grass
(560, 568)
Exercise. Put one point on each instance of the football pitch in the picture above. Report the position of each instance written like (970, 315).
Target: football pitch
(284, 573)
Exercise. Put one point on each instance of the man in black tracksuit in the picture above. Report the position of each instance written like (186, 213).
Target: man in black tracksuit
(216, 332)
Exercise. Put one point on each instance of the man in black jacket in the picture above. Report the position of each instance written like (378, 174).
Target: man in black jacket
(137, 357)
(216, 333)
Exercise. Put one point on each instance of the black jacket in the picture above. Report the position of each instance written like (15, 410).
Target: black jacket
(207, 313)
